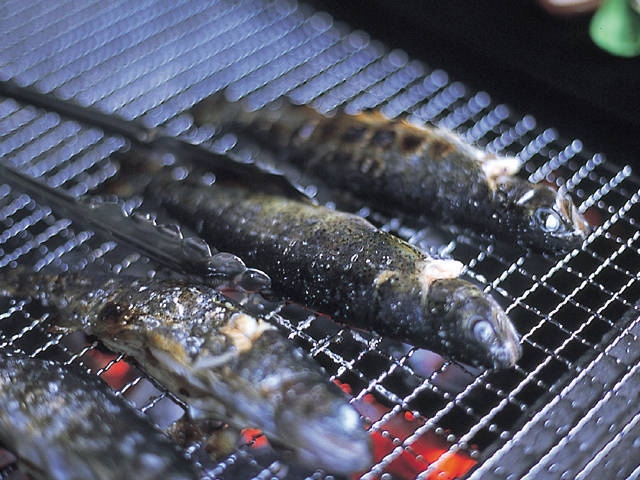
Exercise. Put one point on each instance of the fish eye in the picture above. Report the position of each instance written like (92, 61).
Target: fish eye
(483, 331)
(548, 219)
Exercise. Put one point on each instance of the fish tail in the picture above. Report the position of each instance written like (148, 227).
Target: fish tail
(17, 282)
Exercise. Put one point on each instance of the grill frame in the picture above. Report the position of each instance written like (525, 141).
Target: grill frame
(159, 77)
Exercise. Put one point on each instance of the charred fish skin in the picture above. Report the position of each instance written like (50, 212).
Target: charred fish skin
(398, 166)
(346, 267)
(63, 423)
(222, 362)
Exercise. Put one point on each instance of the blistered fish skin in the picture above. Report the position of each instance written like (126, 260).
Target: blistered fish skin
(220, 361)
(65, 424)
(401, 167)
(344, 266)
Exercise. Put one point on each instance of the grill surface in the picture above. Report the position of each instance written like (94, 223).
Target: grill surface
(567, 409)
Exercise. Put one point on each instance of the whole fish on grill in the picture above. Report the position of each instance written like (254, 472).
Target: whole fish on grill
(63, 423)
(343, 265)
(404, 168)
(221, 361)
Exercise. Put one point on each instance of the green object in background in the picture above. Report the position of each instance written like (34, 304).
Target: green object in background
(615, 27)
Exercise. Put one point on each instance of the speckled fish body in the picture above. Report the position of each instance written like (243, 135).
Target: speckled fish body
(63, 423)
(401, 167)
(220, 361)
(344, 266)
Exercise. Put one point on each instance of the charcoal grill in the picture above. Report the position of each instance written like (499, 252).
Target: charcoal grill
(567, 410)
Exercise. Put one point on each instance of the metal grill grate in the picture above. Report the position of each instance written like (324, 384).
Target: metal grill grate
(151, 61)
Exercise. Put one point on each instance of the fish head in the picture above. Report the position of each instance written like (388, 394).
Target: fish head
(282, 391)
(322, 430)
(542, 216)
(472, 325)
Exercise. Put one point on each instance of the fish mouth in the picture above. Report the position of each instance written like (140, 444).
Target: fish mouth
(580, 229)
(337, 443)
(565, 242)
(506, 355)
(506, 349)
(567, 209)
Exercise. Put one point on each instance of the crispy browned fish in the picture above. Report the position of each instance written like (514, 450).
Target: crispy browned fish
(401, 167)
(65, 424)
(346, 267)
(221, 361)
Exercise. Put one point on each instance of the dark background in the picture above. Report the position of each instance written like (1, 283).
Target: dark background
(520, 54)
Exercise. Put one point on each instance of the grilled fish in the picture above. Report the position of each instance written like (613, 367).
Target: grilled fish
(63, 423)
(220, 361)
(401, 167)
(343, 265)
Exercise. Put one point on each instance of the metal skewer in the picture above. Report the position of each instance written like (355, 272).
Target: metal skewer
(164, 244)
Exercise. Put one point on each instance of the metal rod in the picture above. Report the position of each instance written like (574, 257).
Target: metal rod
(129, 129)
(164, 244)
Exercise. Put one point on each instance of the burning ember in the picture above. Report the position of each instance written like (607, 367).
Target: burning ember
(407, 457)
(117, 373)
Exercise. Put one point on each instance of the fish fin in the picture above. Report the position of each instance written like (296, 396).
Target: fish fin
(214, 361)
(438, 269)
(441, 269)
(243, 330)
(169, 361)
(495, 167)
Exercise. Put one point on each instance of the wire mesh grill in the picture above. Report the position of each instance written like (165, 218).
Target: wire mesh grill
(151, 61)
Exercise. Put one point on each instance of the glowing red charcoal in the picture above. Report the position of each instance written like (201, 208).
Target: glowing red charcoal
(117, 375)
(406, 457)
(254, 437)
